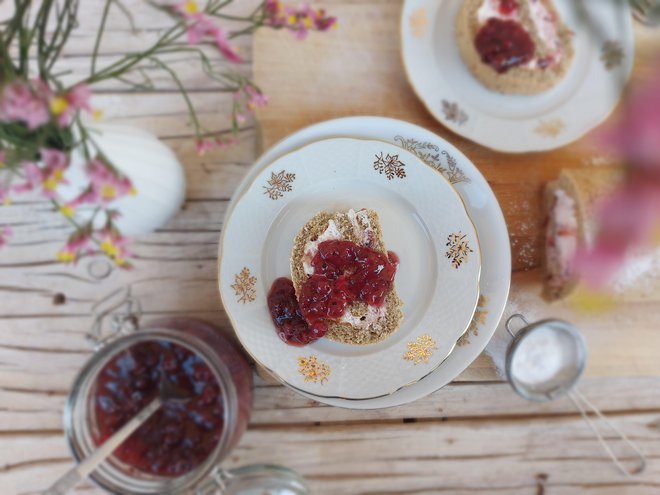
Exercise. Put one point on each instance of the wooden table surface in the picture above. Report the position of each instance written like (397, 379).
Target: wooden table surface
(473, 436)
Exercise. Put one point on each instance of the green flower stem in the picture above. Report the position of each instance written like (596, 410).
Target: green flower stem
(99, 35)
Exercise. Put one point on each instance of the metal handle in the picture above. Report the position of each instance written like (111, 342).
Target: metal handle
(510, 319)
(86, 467)
(578, 399)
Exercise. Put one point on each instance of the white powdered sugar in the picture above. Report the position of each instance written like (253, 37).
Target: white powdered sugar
(544, 358)
(640, 270)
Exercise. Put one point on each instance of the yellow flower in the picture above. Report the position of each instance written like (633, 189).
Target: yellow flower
(53, 180)
(97, 114)
(307, 22)
(67, 211)
(132, 191)
(108, 192)
(110, 249)
(66, 256)
(58, 105)
(293, 19)
(190, 7)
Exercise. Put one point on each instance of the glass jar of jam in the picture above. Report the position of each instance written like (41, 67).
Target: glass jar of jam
(179, 449)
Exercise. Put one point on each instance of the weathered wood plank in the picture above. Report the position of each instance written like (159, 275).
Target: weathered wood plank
(453, 456)
(37, 410)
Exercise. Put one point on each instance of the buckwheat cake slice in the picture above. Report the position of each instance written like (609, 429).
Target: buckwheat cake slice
(361, 324)
(514, 46)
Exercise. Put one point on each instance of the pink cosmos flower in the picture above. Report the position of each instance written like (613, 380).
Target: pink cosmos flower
(256, 99)
(106, 185)
(21, 103)
(201, 25)
(49, 176)
(77, 245)
(203, 145)
(5, 233)
(114, 245)
(65, 106)
(299, 20)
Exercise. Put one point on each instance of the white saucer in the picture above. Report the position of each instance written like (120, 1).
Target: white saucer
(424, 222)
(482, 207)
(604, 50)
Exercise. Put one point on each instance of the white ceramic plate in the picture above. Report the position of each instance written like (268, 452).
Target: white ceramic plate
(604, 49)
(482, 206)
(423, 220)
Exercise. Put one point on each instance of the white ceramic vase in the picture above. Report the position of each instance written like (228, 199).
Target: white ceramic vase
(151, 166)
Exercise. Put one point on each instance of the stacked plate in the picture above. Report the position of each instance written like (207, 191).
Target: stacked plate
(437, 213)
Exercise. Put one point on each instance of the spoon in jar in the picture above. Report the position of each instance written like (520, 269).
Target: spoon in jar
(167, 392)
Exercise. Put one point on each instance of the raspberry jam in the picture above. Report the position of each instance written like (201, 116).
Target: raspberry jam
(344, 273)
(504, 44)
(179, 436)
(285, 312)
(508, 7)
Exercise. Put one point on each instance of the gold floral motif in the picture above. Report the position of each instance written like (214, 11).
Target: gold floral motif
(550, 128)
(418, 22)
(390, 165)
(278, 184)
(478, 320)
(429, 153)
(459, 248)
(454, 113)
(611, 54)
(313, 370)
(420, 349)
(245, 286)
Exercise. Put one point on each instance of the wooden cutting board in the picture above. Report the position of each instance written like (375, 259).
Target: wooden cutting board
(356, 69)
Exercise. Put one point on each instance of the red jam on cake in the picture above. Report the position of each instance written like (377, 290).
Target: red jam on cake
(343, 273)
(514, 46)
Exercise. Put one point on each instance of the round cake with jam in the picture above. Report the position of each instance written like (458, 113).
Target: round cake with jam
(342, 283)
(514, 46)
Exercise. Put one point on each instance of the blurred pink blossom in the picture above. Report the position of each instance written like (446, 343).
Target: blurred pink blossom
(300, 20)
(106, 185)
(48, 176)
(19, 102)
(114, 245)
(65, 106)
(78, 244)
(636, 137)
(5, 233)
(630, 216)
(200, 25)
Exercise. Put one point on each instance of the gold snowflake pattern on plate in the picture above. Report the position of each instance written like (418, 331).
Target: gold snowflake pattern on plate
(418, 22)
(550, 128)
(245, 286)
(390, 166)
(278, 184)
(479, 319)
(458, 249)
(313, 370)
(429, 153)
(454, 113)
(421, 349)
(611, 54)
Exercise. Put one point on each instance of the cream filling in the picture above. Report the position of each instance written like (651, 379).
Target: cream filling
(543, 20)
(561, 239)
(374, 313)
(362, 230)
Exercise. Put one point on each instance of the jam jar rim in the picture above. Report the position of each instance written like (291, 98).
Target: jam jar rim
(86, 378)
